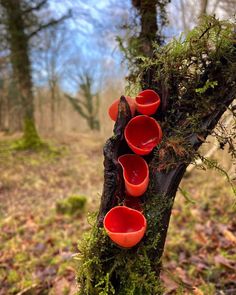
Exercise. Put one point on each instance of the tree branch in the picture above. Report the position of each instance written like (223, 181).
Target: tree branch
(77, 107)
(36, 7)
(51, 23)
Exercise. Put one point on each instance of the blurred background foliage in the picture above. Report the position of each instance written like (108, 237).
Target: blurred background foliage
(61, 65)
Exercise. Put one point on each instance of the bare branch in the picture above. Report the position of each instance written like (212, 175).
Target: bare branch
(51, 23)
(36, 7)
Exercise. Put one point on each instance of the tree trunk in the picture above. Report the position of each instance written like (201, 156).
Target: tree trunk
(53, 87)
(21, 65)
(186, 99)
(203, 7)
(149, 29)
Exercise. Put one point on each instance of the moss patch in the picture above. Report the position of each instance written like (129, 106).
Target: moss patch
(74, 204)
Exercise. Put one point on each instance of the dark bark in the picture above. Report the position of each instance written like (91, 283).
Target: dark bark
(113, 189)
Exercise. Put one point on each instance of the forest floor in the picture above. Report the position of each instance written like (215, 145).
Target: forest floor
(38, 244)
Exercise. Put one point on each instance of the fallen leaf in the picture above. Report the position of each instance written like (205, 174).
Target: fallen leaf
(170, 285)
(225, 262)
(61, 286)
(201, 238)
(197, 291)
(229, 236)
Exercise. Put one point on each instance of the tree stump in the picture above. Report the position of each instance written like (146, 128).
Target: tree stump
(196, 80)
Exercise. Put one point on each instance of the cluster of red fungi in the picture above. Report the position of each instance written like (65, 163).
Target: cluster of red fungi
(124, 225)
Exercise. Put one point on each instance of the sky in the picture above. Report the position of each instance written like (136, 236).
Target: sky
(91, 45)
(90, 36)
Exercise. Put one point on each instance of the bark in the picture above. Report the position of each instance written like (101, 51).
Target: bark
(203, 7)
(113, 179)
(148, 15)
(149, 31)
(53, 89)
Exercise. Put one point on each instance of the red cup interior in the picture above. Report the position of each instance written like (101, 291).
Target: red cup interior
(147, 97)
(122, 219)
(135, 168)
(143, 133)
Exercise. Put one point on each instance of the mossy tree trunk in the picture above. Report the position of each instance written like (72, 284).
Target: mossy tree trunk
(21, 66)
(149, 30)
(21, 23)
(196, 79)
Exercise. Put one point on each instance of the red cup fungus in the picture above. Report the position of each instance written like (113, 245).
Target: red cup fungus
(142, 134)
(125, 226)
(147, 102)
(113, 109)
(135, 173)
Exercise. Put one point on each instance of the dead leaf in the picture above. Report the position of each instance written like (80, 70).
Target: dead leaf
(201, 238)
(170, 285)
(197, 291)
(61, 286)
(229, 235)
(219, 259)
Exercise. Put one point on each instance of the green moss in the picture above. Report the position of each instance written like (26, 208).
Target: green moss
(30, 139)
(74, 204)
(102, 264)
(21, 257)
(208, 288)
(13, 277)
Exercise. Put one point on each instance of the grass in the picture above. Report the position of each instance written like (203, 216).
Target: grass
(38, 243)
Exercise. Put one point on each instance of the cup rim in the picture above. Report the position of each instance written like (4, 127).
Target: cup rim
(148, 118)
(143, 227)
(148, 104)
(146, 165)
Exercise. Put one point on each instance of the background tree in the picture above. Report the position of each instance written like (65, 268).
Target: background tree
(153, 18)
(196, 80)
(21, 23)
(51, 64)
(88, 104)
(139, 42)
(184, 14)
